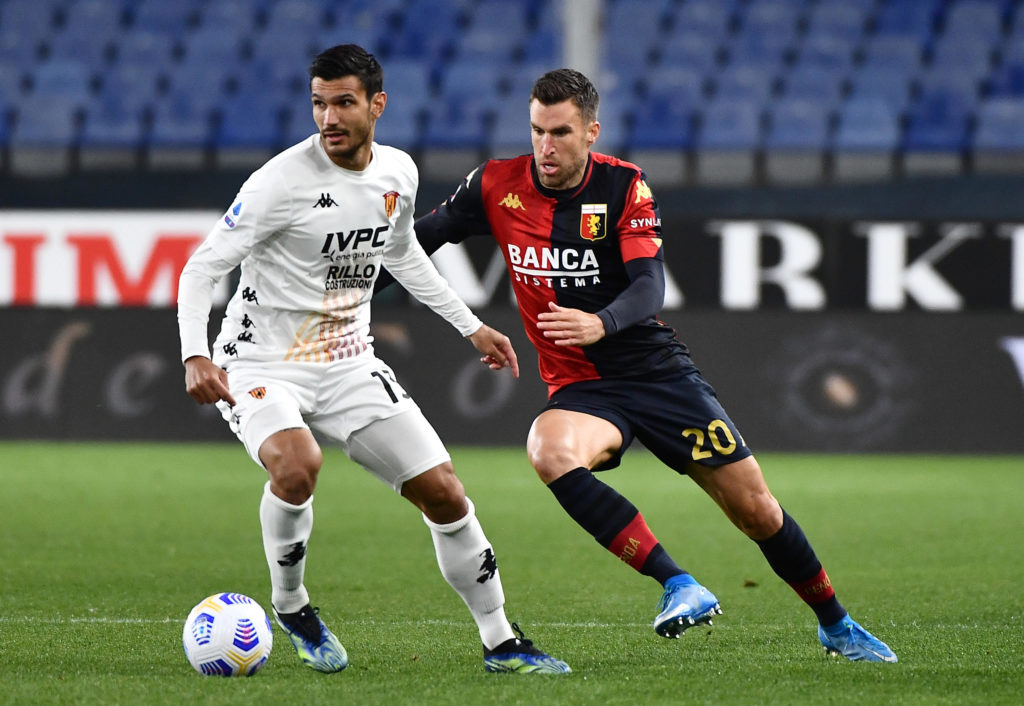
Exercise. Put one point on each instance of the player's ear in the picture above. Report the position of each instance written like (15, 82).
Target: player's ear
(593, 130)
(377, 103)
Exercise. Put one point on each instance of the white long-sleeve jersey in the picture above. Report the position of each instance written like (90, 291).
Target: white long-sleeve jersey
(311, 238)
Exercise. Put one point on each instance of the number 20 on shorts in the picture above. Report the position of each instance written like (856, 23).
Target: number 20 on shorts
(716, 429)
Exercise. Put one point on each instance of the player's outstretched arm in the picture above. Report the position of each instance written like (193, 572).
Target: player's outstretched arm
(206, 382)
(496, 348)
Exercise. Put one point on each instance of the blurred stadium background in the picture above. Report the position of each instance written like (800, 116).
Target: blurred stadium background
(839, 182)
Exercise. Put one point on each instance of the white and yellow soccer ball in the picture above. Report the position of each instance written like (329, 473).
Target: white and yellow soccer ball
(228, 635)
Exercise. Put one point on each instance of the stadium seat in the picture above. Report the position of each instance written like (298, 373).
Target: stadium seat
(238, 16)
(727, 142)
(974, 19)
(30, 18)
(664, 120)
(690, 50)
(879, 82)
(18, 50)
(814, 82)
(69, 78)
(915, 20)
(998, 139)
(745, 82)
(708, 17)
(936, 132)
(171, 18)
(866, 139)
(964, 55)
(112, 136)
(44, 135)
(428, 29)
(214, 46)
(153, 50)
(249, 130)
(496, 29)
(796, 140)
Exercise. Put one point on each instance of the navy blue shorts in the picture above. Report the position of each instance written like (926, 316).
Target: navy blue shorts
(680, 420)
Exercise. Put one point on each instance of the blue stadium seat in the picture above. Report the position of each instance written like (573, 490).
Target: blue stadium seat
(543, 44)
(826, 52)
(975, 19)
(746, 82)
(12, 81)
(815, 83)
(456, 123)
(45, 121)
(999, 122)
(181, 129)
(100, 18)
(838, 19)
(151, 49)
(867, 124)
(239, 16)
(298, 124)
(894, 53)
(730, 124)
(663, 120)
(510, 131)
(690, 50)
(293, 16)
(18, 49)
(883, 83)
(213, 45)
(797, 124)
(407, 82)
(477, 82)
(250, 119)
(496, 29)
(937, 122)
(92, 47)
(402, 123)
(428, 29)
(68, 78)
(708, 17)
(127, 87)
(613, 114)
(112, 126)
(912, 19)
(760, 48)
(31, 18)
(171, 18)
(963, 54)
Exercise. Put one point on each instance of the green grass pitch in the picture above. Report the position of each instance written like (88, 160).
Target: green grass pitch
(106, 547)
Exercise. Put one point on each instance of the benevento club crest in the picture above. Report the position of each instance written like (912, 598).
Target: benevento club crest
(592, 220)
(390, 201)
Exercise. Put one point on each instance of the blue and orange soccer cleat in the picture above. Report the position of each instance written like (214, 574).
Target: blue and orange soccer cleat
(850, 640)
(518, 655)
(684, 604)
(316, 646)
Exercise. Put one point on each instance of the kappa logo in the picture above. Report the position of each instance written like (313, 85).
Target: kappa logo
(592, 221)
(390, 201)
(258, 393)
(642, 191)
(325, 201)
(512, 201)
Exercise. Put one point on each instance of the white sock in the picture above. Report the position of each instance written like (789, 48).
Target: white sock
(467, 563)
(286, 530)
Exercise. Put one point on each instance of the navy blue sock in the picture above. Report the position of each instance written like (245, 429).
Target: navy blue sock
(791, 557)
(614, 522)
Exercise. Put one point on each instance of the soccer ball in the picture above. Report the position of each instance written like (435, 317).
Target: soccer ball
(227, 634)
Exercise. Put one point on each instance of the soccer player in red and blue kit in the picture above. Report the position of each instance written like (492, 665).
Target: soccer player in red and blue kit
(581, 237)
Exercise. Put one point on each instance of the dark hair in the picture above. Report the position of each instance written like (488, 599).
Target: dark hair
(349, 60)
(566, 84)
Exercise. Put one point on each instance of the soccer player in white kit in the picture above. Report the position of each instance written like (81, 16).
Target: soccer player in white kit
(311, 229)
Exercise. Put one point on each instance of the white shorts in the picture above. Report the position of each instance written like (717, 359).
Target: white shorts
(356, 404)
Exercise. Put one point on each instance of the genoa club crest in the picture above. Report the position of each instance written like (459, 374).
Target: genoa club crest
(390, 201)
(593, 217)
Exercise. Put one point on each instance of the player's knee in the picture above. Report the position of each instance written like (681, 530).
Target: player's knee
(439, 494)
(759, 519)
(293, 469)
